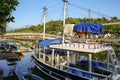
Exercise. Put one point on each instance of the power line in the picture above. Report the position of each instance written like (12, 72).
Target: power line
(90, 10)
(54, 5)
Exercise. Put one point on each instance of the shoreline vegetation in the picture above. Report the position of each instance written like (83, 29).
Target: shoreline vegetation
(53, 27)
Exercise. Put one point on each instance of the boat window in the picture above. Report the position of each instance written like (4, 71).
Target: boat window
(46, 58)
(41, 56)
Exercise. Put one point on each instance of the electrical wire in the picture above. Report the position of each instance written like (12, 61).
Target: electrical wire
(93, 11)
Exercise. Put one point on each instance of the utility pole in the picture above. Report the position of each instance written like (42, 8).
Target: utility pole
(89, 11)
(44, 12)
(64, 17)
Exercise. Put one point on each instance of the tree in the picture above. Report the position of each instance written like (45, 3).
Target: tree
(6, 9)
(114, 19)
(53, 27)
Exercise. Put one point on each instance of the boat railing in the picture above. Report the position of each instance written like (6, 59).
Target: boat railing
(83, 45)
(86, 73)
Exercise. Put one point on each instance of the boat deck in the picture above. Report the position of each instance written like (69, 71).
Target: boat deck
(82, 47)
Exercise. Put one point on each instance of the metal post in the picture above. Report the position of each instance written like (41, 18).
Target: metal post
(45, 10)
(44, 54)
(57, 59)
(108, 60)
(64, 17)
(68, 55)
(74, 58)
(90, 62)
(53, 58)
(39, 52)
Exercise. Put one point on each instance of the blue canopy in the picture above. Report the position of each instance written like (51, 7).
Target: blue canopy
(90, 28)
(48, 42)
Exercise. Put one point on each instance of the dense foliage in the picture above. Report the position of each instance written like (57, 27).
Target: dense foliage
(6, 8)
(54, 27)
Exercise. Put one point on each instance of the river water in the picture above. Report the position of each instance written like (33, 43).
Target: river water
(16, 68)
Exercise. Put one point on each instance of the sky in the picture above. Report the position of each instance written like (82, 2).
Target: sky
(30, 12)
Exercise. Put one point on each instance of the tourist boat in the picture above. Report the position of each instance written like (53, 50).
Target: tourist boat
(62, 60)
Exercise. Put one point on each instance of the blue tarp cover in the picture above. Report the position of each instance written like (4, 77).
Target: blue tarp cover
(90, 28)
(48, 42)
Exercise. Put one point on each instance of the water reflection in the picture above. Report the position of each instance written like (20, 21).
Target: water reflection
(23, 66)
(19, 68)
